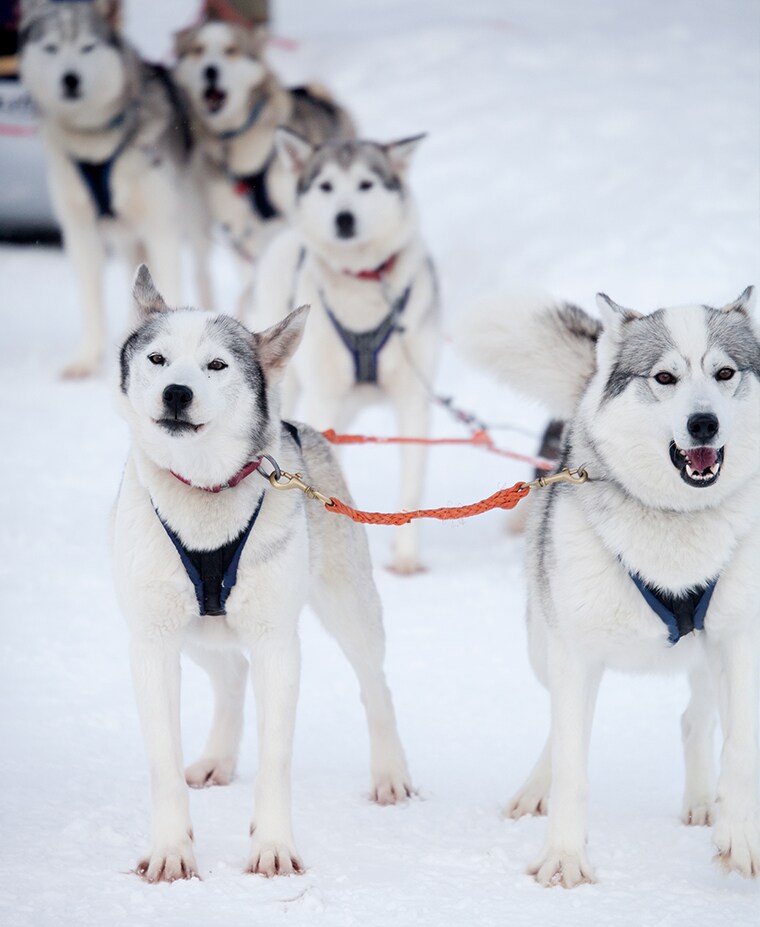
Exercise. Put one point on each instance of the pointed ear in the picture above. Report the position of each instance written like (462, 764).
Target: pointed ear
(110, 12)
(293, 149)
(30, 10)
(146, 296)
(613, 315)
(276, 345)
(400, 153)
(745, 303)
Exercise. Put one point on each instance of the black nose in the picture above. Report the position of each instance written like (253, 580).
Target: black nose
(177, 398)
(211, 74)
(70, 81)
(345, 223)
(703, 426)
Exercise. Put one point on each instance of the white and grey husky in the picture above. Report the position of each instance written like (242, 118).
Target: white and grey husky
(237, 102)
(117, 145)
(652, 565)
(213, 560)
(356, 255)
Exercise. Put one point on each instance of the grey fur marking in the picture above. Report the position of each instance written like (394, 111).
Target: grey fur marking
(732, 333)
(67, 22)
(645, 340)
(136, 342)
(346, 153)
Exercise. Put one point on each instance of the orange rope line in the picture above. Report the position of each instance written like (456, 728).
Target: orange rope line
(479, 438)
(503, 499)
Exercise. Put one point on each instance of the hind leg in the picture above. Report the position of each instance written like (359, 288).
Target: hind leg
(228, 671)
(355, 620)
(697, 731)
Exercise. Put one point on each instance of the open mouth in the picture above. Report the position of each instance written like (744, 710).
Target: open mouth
(699, 466)
(177, 426)
(214, 99)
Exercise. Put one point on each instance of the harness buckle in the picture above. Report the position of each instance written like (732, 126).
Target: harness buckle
(576, 476)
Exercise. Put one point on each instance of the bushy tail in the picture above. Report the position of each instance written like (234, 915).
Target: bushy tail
(540, 347)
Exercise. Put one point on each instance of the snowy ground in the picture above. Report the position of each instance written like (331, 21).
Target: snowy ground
(573, 147)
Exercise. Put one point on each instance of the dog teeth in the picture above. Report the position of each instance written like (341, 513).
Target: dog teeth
(707, 474)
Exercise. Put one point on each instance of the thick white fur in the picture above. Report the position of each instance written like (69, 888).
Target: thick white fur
(322, 373)
(295, 553)
(155, 203)
(636, 514)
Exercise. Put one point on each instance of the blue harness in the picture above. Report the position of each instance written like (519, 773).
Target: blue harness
(213, 573)
(680, 614)
(365, 347)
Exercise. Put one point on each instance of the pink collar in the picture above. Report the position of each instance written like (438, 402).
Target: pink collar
(377, 274)
(232, 481)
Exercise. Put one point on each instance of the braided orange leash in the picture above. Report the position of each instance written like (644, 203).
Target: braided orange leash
(503, 499)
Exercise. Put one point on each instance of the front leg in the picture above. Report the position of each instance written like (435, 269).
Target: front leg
(413, 413)
(573, 684)
(84, 249)
(735, 666)
(275, 668)
(155, 661)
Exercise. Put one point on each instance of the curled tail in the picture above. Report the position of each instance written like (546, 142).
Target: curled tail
(541, 347)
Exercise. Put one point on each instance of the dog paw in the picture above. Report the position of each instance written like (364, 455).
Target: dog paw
(391, 788)
(698, 813)
(274, 857)
(406, 565)
(85, 365)
(560, 867)
(531, 800)
(208, 771)
(168, 864)
(738, 848)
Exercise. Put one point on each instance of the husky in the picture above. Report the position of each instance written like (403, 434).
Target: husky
(652, 564)
(237, 102)
(214, 560)
(117, 145)
(355, 253)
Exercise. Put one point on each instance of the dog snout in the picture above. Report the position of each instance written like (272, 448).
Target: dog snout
(211, 73)
(345, 223)
(70, 81)
(177, 398)
(703, 426)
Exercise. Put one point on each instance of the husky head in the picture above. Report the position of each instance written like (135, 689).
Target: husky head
(221, 68)
(74, 62)
(674, 407)
(667, 404)
(352, 202)
(198, 389)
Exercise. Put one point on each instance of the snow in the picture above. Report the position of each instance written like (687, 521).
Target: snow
(573, 147)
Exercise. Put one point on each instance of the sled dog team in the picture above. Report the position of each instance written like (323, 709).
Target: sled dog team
(651, 565)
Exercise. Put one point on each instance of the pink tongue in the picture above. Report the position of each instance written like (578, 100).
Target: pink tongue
(701, 458)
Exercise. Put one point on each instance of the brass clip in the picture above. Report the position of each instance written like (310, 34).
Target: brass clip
(577, 476)
(281, 479)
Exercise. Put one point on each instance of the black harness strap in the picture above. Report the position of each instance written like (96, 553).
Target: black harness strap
(213, 573)
(254, 187)
(680, 614)
(365, 347)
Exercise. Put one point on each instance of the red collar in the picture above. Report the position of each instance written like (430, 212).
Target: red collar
(232, 481)
(377, 274)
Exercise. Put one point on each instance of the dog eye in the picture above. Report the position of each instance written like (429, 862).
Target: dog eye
(50, 49)
(86, 49)
(231, 51)
(326, 187)
(725, 373)
(665, 378)
(366, 185)
(196, 51)
(217, 365)
(158, 359)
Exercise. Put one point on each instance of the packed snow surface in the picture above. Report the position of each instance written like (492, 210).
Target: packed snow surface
(573, 147)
